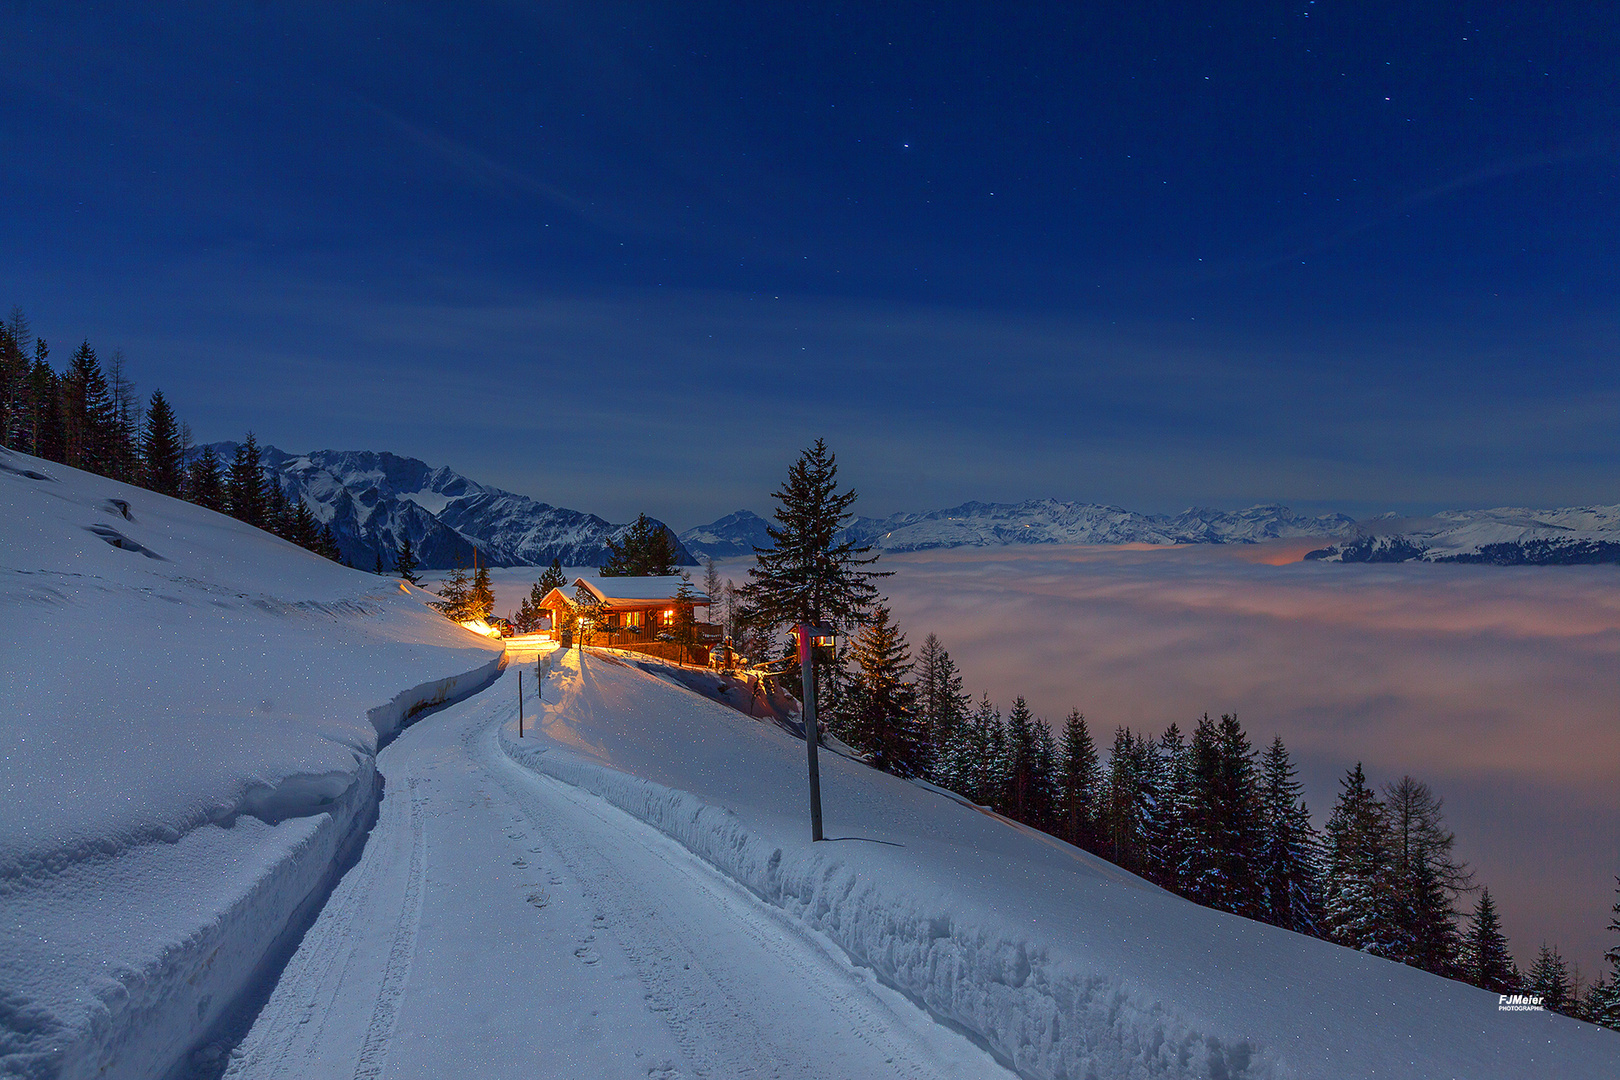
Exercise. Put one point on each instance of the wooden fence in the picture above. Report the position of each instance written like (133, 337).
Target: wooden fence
(697, 655)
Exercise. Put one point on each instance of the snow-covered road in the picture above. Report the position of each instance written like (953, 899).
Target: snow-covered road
(502, 923)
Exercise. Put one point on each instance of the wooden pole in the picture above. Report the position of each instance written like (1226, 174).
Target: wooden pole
(812, 735)
(520, 703)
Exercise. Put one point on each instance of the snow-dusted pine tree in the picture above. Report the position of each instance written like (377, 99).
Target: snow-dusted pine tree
(1485, 960)
(1289, 854)
(1357, 895)
(1549, 980)
(878, 711)
(1079, 784)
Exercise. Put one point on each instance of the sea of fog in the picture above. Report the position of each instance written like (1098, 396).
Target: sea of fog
(1498, 686)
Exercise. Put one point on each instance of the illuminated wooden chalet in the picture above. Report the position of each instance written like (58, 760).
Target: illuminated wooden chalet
(638, 608)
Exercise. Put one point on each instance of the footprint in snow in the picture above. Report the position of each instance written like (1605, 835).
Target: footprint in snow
(586, 954)
(520, 864)
(539, 898)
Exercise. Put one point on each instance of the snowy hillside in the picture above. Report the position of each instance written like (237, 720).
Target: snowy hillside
(1038, 521)
(1505, 536)
(374, 500)
(1062, 964)
(191, 711)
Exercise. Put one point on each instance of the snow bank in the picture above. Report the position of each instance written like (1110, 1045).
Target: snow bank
(192, 710)
(1065, 966)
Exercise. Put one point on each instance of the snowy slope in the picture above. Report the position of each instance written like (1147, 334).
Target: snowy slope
(374, 500)
(1062, 964)
(191, 710)
(503, 925)
(1507, 536)
(1037, 521)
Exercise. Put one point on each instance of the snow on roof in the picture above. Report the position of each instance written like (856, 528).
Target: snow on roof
(636, 588)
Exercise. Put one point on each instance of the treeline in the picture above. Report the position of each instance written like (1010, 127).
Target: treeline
(90, 418)
(1202, 814)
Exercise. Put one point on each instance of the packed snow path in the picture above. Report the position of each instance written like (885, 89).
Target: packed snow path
(502, 923)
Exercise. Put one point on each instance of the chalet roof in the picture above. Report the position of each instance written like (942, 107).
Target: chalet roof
(630, 590)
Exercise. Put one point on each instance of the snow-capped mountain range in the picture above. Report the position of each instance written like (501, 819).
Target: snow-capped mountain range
(373, 500)
(1038, 521)
(1505, 536)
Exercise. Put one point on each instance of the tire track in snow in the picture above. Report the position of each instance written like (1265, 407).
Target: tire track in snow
(708, 1003)
(374, 1051)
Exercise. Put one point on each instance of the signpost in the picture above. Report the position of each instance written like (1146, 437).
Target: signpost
(520, 703)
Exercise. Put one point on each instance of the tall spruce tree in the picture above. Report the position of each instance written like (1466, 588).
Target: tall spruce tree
(458, 603)
(1079, 784)
(1129, 800)
(88, 416)
(1601, 1004)
(244, 483)
(1168, 836)
(162, 464)
(13, 381)
(1357, 894)
(47, 416)
(808, 575)
(405, 561)
(1289, 850)
(878, 710)
(1549, 980)
(483, 592)
(205, 485)
(941, 702)
(302, 528)
(1485, 960)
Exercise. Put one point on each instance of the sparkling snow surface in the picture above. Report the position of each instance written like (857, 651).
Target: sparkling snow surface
(1061, 963)
(189, 721)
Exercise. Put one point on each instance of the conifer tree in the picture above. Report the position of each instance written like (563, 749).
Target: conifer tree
(1043, 790)
(1357, 895)
(1485, 960)
(1129, 795)
(589, 614)
(551, 578)
(88, 416)
(986, 764)
(46, 420)
(244, 483)
(940, 700)
(1168, 838)
(646, 550)
(1079, 784)
(1549, 980)
(204, 484)
(1289, 849)
(483, 593)
(162, 464)
(405, 562)
(684, 629)
(1424, 876)
(303, 529)
(878, 710)
(13, 379)
(277, 507)
(124, 415)
(807, 575)
(1601, 1004)
(458, 603)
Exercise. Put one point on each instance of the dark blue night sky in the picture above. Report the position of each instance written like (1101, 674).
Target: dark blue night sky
(633, 257)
